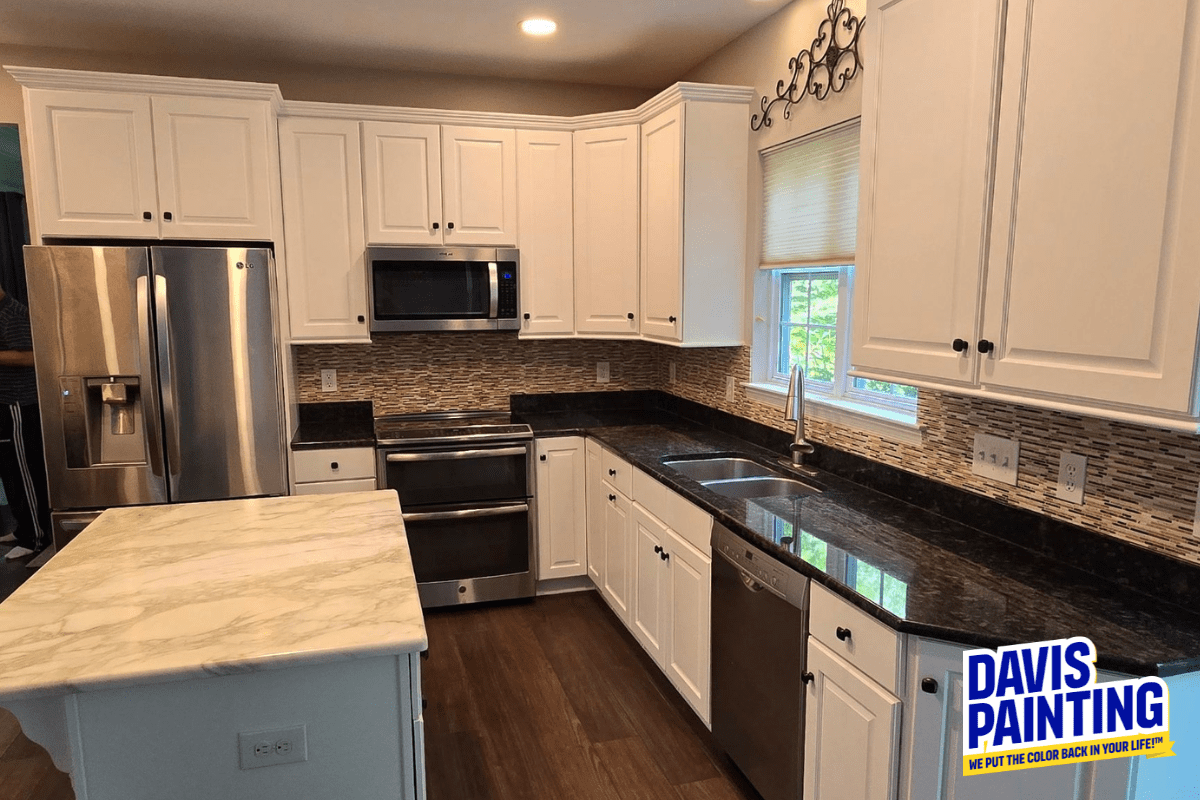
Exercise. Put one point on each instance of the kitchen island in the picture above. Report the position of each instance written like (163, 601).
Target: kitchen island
(264, 648)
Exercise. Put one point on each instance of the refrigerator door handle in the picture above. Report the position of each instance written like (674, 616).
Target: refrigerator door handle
(170, 397)
(149, 380)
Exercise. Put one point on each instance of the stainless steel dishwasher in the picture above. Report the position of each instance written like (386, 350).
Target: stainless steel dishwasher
(759, 632)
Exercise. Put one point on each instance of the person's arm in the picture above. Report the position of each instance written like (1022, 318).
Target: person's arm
(16, 358)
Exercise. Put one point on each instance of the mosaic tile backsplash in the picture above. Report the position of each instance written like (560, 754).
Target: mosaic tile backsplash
(1141, 482)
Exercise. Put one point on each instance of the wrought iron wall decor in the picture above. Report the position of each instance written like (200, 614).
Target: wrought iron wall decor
(830, 62)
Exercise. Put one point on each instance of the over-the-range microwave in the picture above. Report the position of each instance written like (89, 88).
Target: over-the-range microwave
(443, 288)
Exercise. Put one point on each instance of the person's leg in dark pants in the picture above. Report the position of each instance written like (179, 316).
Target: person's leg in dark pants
(23, 469)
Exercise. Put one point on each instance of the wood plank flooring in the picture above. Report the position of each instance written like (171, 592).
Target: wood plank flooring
(550, 698)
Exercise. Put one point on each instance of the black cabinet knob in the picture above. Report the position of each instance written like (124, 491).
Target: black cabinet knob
(437, 225)
(147, 215)
(630, 315)
(361, 318)
(449, 226)
(612, 472)
(541, 458)
(612, 498)
(671, 319)
(843, 633)
(807, 677)
(658, 548)
(664, 555)
(960, 345)
(526, 316)
(167, 216)
(333, 465)
(985, 346)
(929, 685)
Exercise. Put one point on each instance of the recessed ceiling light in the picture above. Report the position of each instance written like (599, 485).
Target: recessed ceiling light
(539, 27)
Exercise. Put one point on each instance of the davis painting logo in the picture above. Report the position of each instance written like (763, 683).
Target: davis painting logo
(1038, 705)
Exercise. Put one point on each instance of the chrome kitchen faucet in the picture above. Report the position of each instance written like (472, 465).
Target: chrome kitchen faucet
(794, 412)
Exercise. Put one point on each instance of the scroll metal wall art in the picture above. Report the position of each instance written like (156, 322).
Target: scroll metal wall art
(828, 65)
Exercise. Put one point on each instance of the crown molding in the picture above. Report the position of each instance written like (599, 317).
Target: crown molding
(81, 80)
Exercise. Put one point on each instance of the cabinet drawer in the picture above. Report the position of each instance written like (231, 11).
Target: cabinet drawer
(336, 487)
(617, 472)
(688, 521)
(334, 464)
(870, 645)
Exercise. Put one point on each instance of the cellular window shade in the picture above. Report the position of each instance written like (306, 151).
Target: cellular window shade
(810, 200)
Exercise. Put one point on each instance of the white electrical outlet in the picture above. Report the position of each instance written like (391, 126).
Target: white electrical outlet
(1072, 475)
(268, 748)
(996, 458)
(329, 380)
(730, 388)
(601, 372)
(672, 371)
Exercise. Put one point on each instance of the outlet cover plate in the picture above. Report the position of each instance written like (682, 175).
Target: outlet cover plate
(996, 458)
(1072, 477)
(329, 380)
(269, 748)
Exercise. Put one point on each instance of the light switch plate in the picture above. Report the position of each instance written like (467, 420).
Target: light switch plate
(673, 372)
(1072, 477)
(996, 458)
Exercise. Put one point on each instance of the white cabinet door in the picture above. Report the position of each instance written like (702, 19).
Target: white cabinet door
(545, 232)
(402, 173)
(597, 504)
(688, 655)
(561, 508)
(91, 164)
(933, 747)
(851, 732)
(650, 575)
(606, 231)
(479, 186)
(1094, 279)
(618, 534)
(925, 166)
(662, 225)
(214, 163)
(321, 162)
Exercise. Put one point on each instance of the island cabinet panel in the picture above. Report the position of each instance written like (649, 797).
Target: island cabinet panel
(362, 721)
(545, 232)
(932, 743)
(561, 508)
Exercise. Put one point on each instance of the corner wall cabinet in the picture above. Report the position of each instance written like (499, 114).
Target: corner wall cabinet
(1024, 219)
(159, 166)
(561, 508)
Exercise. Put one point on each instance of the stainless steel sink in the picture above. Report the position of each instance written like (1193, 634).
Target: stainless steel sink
(716, 469)
(764, 486)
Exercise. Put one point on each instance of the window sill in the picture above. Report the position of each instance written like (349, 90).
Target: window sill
(894, 425)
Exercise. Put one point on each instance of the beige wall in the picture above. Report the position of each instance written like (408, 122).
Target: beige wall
(338, 84)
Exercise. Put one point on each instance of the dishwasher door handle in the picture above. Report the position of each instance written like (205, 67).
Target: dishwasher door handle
(466, 513)
(748, 580)
(495, 452)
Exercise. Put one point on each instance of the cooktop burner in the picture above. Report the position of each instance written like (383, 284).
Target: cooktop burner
(443, 426)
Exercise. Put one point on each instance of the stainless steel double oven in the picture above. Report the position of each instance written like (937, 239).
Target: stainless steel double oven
(465, 481)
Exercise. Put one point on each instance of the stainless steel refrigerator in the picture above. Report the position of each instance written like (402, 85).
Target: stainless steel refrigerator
(158, 376)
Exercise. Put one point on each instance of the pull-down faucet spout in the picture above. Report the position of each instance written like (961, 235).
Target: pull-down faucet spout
(794, 412)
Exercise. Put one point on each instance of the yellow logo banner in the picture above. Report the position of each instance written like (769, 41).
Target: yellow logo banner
(1155, 746)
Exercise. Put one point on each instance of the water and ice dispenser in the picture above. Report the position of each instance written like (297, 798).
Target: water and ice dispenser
(103, 421)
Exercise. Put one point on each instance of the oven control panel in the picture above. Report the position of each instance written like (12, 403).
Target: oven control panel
(760, 567)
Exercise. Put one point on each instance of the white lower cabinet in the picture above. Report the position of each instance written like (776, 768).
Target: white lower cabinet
(616, 586)
(331, 470)
(650, 581)
(561, 513)
(596, 504)
(688, 656)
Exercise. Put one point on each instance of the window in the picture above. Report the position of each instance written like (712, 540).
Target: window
(810, 216)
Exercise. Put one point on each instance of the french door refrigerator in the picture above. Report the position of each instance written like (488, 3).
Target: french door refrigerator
(158, 376)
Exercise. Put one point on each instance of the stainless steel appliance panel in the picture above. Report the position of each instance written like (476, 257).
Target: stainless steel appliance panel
(758, 658)
(460, 475)
(90, 311)
(443, 289)
(67, 525)
(217, 360)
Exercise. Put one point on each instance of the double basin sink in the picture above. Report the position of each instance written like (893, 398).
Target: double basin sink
(732, 476)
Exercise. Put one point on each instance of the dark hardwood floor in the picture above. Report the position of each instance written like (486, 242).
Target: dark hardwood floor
(547, 699)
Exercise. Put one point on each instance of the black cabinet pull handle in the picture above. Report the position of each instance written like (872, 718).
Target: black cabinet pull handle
(664, 555)
(658, 548)
(985, 346)
(612, 472)
(541, 458)
(147, 215)
(671, 319)
(437, 225)
(843, 633)
(612, 498)
(527, 316)
(333, 465)
(807, 677)
(960, 345)
(449, 226)
(630, 315)
(929, 685)
(167, 216)
(361, 318)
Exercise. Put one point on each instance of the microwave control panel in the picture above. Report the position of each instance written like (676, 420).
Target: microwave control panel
(506, 306)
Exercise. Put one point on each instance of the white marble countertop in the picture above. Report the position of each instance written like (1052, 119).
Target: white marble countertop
(167, 593)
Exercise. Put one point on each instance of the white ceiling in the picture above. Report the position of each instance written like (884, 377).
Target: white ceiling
(638, 43)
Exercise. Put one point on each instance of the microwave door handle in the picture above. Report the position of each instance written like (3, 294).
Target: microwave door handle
(495, 452)
(493, 290)
(466, 513)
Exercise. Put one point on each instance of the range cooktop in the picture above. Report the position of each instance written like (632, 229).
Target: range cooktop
(449, 426)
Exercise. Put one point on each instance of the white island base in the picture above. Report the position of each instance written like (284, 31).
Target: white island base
(312, 620)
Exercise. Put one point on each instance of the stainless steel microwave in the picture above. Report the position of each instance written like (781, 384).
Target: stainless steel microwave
(443, 288)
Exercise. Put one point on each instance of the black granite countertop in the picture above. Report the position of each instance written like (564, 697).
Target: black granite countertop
(346, 424)
(917, 571)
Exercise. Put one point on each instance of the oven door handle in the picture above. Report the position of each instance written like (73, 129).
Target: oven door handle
(495, 452)
(430, 516)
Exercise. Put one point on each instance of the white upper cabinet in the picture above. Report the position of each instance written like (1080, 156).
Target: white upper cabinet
(927, 141)
(430, 184)
(545, 225)
(606, 231)
(109, 164)
(321, 164)
(1045, 224)
(1094, 279)
(693, 238)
